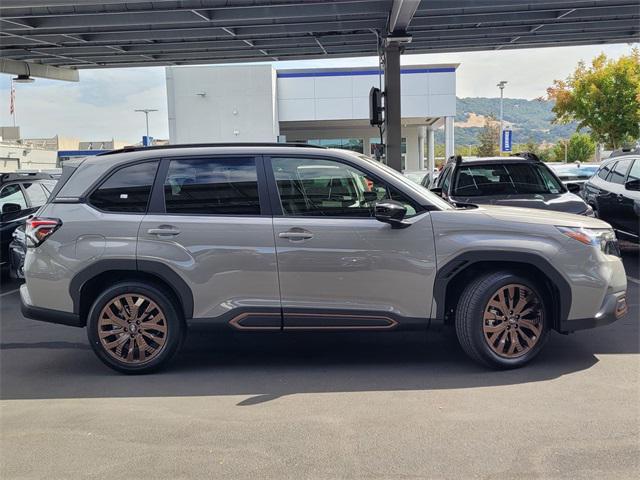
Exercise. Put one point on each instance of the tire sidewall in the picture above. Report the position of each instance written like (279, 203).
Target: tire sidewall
(175, 326)
(477, 312)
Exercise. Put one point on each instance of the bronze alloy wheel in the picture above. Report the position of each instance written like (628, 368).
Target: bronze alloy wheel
(132, 328)
(512, 322)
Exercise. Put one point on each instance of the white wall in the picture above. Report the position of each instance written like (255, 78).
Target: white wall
(13, 157)
(238, 105)
(343, 94)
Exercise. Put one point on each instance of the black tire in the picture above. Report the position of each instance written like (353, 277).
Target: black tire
(172, 323)
(469, 320)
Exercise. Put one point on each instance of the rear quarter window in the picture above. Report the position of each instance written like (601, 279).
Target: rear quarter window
(127, 190)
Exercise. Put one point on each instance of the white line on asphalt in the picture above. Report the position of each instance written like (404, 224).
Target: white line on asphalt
(9, 292)
(634, 280)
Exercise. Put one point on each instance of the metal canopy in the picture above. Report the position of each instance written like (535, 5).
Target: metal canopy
(112, 33)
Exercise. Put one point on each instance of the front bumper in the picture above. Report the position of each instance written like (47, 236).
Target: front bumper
(613, 308)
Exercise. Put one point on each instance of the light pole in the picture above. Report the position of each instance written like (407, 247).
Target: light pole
(146, 112)
(501, 85)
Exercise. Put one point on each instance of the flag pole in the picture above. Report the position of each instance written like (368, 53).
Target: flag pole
(13, 101)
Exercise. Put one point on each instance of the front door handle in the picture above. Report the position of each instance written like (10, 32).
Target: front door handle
(296, 234)
(164, 230)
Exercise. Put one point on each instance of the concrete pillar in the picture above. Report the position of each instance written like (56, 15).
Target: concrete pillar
(366, 145)
(392, 113)
(449, 145)
(413, 145)
(422, 133)
(431, 152)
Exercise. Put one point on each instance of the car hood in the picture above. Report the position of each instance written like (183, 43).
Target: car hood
(561, 202)
(540, 217)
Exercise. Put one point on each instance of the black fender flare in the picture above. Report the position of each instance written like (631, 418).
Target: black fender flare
(177, 285)
(467, 259)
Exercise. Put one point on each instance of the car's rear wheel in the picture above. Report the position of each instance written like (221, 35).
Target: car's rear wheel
(134, 328)
(501, 320)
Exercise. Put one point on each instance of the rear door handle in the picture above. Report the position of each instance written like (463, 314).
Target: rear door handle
(296, 234)
(164, 230)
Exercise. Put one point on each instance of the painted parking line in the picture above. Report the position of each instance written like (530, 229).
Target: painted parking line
(634, 280)
(9, 292)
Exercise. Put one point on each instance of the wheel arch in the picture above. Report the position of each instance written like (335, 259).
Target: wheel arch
(89, 282)
(453, 276)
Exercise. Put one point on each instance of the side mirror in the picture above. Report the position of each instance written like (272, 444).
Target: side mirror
(633, 185)
(573, 187)
(11, 208)
(391, 212)
(437, 191)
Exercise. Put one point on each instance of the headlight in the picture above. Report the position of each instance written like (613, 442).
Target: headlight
(604, 238)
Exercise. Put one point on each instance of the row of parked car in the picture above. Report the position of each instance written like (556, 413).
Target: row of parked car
(610, 190)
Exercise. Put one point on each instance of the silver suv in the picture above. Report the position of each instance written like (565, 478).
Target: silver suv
(136, 244)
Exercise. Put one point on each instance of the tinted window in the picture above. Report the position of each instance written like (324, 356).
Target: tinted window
(604, 170)
(12, 194)
(316, 187)
(126, 190)
(49, 185)
(36, 194)
(505, 179)
(443, 180)
(619, 171)
(225, 186)
(634, 174)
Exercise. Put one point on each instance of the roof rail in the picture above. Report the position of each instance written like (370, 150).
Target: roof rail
(134, 148)
(527, 156)
(625, 151)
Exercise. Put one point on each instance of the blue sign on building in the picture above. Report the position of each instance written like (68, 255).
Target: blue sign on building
(506, 140)
(147, 141)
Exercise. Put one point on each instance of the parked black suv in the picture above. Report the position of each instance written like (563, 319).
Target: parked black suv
(21, 194)
(518, 181)
(614, 193)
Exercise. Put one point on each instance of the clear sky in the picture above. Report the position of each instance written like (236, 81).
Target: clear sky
(100, 106)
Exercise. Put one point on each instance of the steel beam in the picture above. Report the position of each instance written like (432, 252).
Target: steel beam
(402, 12)
(392, 113)
(15, 67)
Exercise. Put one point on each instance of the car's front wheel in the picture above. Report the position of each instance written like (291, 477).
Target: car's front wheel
(134, 327)
(502, 320)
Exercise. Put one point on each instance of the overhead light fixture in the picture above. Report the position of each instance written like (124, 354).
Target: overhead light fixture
(23, 79)
(398, 39)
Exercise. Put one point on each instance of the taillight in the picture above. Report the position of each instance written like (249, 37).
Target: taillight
(39, 229)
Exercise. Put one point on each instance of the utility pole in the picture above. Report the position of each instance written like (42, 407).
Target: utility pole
(146, 112)
(501, 85)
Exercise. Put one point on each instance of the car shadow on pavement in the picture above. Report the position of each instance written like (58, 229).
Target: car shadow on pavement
(265, 367)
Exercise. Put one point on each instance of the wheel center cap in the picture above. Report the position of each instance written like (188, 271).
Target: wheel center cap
(133, 328)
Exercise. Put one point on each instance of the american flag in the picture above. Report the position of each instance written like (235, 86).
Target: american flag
(12, 103)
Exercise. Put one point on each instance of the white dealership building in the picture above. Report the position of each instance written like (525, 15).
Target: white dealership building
(258, 103)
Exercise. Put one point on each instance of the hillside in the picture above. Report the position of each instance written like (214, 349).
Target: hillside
(530, 120)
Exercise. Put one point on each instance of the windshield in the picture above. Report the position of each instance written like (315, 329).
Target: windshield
(505, 179)
(432, 197)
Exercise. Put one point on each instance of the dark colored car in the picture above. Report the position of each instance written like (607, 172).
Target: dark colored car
(614, 193)
(21, 195)
(17, 252)
(519, 181)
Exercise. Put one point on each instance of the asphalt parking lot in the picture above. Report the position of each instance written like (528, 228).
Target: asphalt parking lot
(320, 406)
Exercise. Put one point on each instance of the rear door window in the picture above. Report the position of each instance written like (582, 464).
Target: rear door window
(212, 186)
(127, 190)
(619, 172)
(634, 173)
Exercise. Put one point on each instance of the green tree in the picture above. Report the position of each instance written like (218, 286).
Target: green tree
(580, 147)
(604, 97)
(488, 138)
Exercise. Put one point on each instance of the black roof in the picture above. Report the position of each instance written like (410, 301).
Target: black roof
(25, 176)
(517, 157)
(625, 151)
